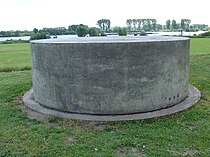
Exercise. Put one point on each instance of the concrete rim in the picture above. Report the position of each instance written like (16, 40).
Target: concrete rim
(193, 98)
(110, 40)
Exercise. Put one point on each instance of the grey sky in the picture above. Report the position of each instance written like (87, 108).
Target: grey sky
(27, 14)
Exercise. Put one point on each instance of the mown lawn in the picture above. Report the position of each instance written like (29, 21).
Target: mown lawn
(199, 46)
(182, 134)
(14, 57)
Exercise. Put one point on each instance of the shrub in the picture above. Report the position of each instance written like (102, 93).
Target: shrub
(39, 35)
(103, 34)
(143, 33)
(93, 31)
(82, 30)
(122, 31)
(14, 41)
(207, 34)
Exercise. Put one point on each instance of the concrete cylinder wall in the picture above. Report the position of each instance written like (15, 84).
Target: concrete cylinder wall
(110, 75)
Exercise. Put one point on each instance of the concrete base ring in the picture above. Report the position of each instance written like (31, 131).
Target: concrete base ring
(193, 97)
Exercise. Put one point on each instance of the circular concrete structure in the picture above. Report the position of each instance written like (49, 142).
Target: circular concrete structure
(110, 75)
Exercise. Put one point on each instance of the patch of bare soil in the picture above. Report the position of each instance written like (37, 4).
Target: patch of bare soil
(69, 139)
(130, 151)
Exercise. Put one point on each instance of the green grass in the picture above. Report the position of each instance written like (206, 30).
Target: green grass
(13, 84)
(185, 133)
(14, 57)
(199, 46)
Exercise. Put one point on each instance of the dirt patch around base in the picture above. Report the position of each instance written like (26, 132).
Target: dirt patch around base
(191, 152)
(125, 151)
(35, 115)
(70, 139)
(65, 122)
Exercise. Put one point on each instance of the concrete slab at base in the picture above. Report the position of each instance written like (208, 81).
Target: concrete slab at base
(194, 97)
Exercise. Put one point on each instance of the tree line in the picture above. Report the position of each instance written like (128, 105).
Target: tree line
(141, 24)
(184, 24)
(81, 30)
(104, 25)
(152, 25)
(16, 33)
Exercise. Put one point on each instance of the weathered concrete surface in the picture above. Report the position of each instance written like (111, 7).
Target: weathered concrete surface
(28, 99)
(110, 75)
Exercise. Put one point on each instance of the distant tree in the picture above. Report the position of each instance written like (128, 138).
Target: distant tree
(168, 24)
(173, 24)
(104, 24)
(35, 30)
(129, 24)
(185, 23)
(115, 29)
(159, 26)
(39, 35)
(122, 31)
(72, 29)
(25, 33)
(5, 34)
(182, 23)
(154, 23)
(17, 33)
(134, 23)
(108, 24)
(55, 31)
(93, 31)
(144, 22)
(139, 21)
(148, 24)
(199, 26)
(82, 30)
(99, 23)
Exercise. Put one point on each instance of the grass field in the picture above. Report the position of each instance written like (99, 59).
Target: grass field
(199, 46)
(182, 134)
(14, 57)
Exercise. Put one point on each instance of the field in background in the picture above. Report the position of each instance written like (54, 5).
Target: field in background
(199, 46)
(182, 134)
(14, 57)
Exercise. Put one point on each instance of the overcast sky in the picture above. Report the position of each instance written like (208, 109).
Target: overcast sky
(28, 14)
